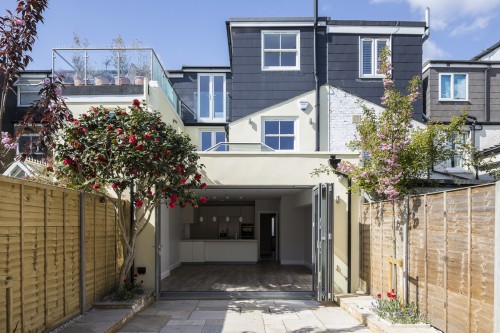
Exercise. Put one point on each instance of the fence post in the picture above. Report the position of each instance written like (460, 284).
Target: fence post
(8, 305)
(496, 299)
(82, 252)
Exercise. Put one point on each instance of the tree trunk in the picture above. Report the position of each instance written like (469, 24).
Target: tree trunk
(3, 102)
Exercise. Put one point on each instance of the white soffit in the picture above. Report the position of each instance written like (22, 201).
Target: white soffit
(375, 30)
(270, 24)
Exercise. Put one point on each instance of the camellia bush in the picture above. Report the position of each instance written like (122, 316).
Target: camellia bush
(115, 149)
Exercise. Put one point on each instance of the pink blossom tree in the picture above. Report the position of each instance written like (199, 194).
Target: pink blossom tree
(113, 149)
(17, 36)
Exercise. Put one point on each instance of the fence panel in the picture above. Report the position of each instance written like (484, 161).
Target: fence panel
(40, 252)
(450, 254)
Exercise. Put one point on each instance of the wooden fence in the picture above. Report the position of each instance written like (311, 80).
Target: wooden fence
(40, 243)
(450, 254)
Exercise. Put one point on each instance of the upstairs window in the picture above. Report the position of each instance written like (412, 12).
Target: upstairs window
(27, 92)
(279, 134)
(369, 56)
(212, 97)
(453, 87)
(209, 139)
(280, 50)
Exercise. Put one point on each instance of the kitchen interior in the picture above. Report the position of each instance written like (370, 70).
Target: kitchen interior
(259, 240)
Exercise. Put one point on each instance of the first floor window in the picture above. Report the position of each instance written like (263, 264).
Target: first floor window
(27, 92)
(28, 144)
(212, 97)
(209, 139)
(279, 134)
(453, 86)
(369, 56)
(280, 50)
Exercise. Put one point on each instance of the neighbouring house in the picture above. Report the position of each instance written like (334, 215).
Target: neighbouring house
(451, 87)
(287, 103)
(26, 90)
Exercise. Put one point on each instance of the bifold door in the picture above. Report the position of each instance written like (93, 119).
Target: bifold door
(322, 234)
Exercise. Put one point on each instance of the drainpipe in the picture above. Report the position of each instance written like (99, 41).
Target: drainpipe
(316, 82)
(405, 252)
(486, 91)
(427, 32)
(473, 139)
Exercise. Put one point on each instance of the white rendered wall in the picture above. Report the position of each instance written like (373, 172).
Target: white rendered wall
(488, 137)
(249, 128)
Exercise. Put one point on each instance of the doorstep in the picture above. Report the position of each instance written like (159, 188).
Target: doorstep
(359, 306)
(107, 317)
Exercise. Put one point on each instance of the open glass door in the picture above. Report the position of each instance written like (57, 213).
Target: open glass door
(322, 234)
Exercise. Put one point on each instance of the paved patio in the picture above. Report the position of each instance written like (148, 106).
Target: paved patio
(207, 316)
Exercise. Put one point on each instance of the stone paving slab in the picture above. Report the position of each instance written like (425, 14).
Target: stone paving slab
(238, 316)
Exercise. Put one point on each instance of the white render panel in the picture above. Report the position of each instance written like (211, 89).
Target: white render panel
(341, 108)
(488, 137)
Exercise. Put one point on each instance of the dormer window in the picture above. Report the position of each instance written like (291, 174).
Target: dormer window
(281, 50)
(369, 56)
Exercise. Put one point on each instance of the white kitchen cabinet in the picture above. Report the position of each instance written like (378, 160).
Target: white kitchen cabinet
(186, 252)
(198, 251)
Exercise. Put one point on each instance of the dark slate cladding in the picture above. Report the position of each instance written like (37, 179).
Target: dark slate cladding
(254, 89)
(187, 86)
(343, 66)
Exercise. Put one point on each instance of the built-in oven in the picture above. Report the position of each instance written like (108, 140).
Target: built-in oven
(247, 231)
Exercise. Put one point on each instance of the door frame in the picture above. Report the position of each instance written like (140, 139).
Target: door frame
(278, 253)
(211, 112)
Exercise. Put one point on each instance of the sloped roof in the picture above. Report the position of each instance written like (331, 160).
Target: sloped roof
(487, 51)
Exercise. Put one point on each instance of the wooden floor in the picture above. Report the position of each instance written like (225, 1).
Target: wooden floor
(220, 277)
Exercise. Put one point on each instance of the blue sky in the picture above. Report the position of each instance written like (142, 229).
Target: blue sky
(192, 32)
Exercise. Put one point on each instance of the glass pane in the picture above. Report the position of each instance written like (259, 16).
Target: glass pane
(288, 59)
(271, 127)
(366, 67)
(380, 46)
(26, 98)
(272, 41)
(220, 137)
(459, 86)
(206, 140)
(204, 95)
(271, 59)
(218, 97)
(286, 127)
(288, 41)
(445, 86)
(286, 143)
(272, 142)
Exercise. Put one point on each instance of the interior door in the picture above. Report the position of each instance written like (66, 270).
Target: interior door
(322, 234)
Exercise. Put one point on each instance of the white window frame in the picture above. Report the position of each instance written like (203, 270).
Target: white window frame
(212, 139)
(452, 87)
(211, 117)
(374, 60)
(32, 83)
(18, 148)
(296, 50)
(460, 159)
(295, 132)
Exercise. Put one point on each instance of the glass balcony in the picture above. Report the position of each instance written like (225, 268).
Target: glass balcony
(122, 71)
(240, 147)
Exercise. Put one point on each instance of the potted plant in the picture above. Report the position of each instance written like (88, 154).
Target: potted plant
(142, 68)
(78, 60)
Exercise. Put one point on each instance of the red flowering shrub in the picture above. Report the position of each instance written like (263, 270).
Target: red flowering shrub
(91, 155)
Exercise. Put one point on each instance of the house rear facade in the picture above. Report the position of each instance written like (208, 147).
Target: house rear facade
(287, 104)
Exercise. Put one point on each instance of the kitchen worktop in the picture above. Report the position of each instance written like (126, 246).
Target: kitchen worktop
(219, 250)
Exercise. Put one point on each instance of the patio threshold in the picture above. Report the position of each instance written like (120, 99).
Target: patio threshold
(179, 295)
